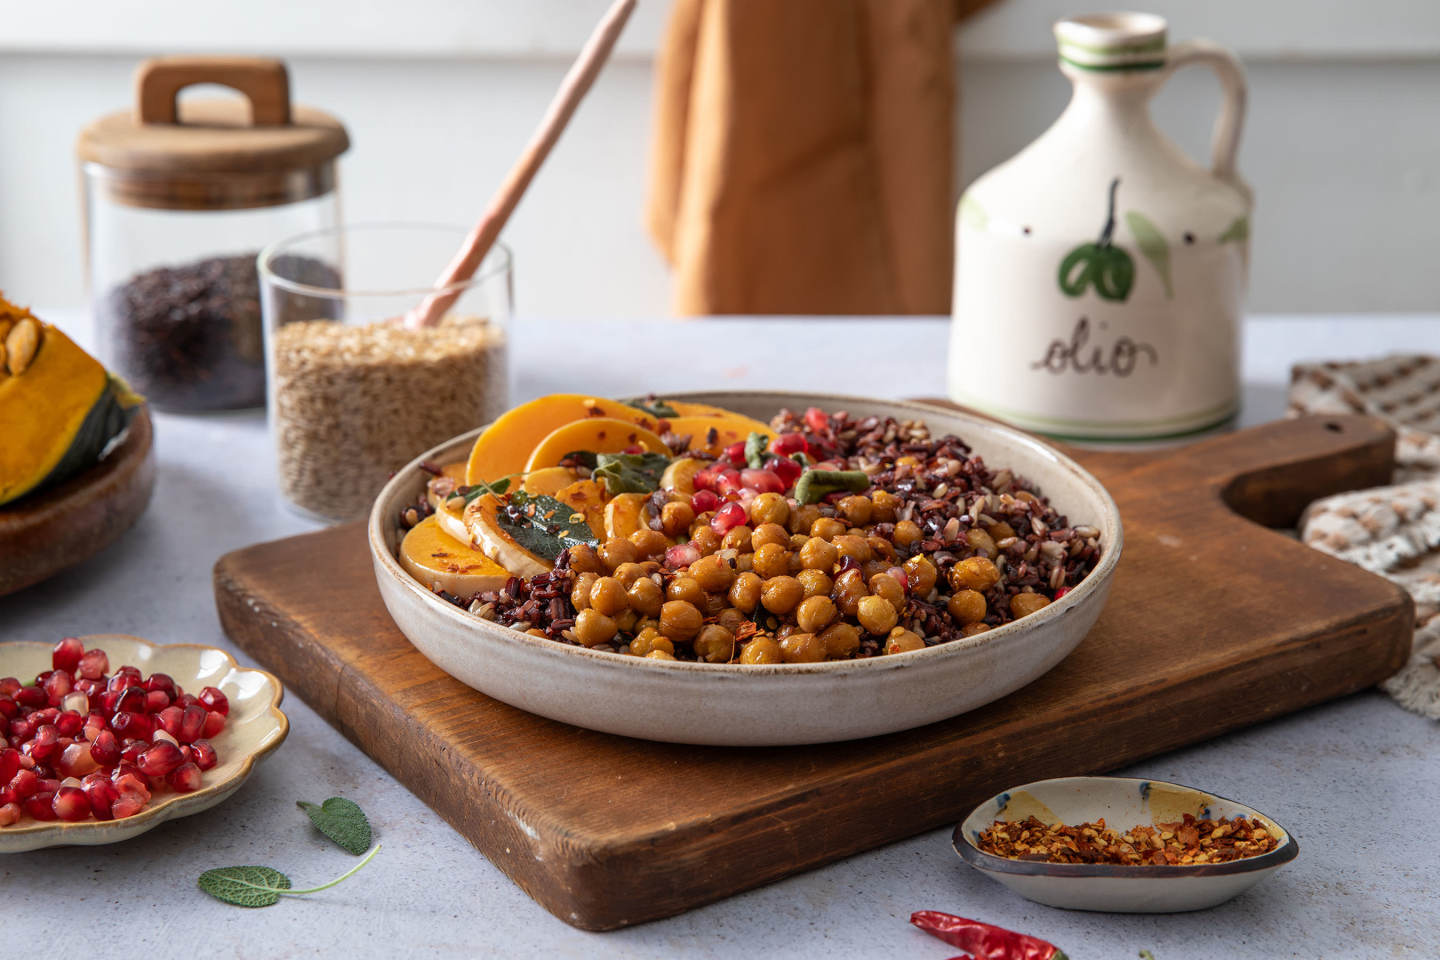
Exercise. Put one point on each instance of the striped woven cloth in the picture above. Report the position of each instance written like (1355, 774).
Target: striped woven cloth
(1393, 531)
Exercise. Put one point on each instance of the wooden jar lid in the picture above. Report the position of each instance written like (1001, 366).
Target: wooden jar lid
(213, 154)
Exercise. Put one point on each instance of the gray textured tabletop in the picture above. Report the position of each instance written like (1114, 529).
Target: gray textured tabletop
(1355, 780)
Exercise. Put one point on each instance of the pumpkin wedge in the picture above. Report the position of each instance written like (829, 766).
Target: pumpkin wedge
(548, 480)
(492, 539)
(625, 514)
(438, 560)
(506, 445)
(596, 434)
(680, 475)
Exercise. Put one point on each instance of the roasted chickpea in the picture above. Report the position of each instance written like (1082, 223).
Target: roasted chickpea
(686, 588)
(615, 551)
(881, 549)
(769, 533)
(981, 543)
(849, 545)
(785, 630)
(705, 540)
(714, 603)
(713, 573)
(903, 641)
(628, 573)
(625, 621)
(737, 539)
(884, 585)
(772, 560)
(584, 559)
(761, 650)
(883, 505)
(649, 640)
(607, 596)
(537, 632)
(769, 508)
(974, 573)
(593, 627)
(680, 620)
(676, 517)
(745, 592)
(921, 573)
(780, 595)
(649, 543)
(827, 528)
(730, 619)
(971, 629)
(1000, 531)
(817, 583)
(966, 606)
(855, 509)
(907, 532)
(714, 644)
(803, 517)
(1024, 604)
(815, 613)
(802, 648)
(873, 568)
(580, 591)
(876, 614)
(849, 588)
(744, 562)
(841, 640)
(646, 597)
(818, 554)
(659, 655)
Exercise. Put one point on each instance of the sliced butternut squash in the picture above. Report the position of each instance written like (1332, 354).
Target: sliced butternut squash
(491, 538)
(625, 514)
(679, 477)
(727, 430)
(450, 515)
(505, 446)
(547, 480)
(586, 497)
(437, 559)
(596, 434)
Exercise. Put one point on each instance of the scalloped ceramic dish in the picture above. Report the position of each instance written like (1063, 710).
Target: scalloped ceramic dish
(741, 705)
(1123, 802)
(255, 727)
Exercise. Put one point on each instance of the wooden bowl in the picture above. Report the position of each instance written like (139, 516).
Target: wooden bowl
(44, 533)
(761, 705)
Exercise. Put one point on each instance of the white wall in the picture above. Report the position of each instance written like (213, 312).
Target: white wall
(1343, 144)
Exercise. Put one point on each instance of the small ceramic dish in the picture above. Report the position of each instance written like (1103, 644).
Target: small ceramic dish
(255, 727)
(1123, 802)
(772, 704)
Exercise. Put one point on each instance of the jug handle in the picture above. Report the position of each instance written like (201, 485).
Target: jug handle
(1225, 141)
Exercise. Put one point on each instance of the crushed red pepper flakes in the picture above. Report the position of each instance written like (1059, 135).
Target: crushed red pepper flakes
(1183, 842)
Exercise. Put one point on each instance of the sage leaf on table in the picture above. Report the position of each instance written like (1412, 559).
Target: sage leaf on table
(263, 886)
(342, 821)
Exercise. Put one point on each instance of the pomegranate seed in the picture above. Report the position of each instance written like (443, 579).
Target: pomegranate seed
(703, 501)
(124, 681)
(786, 469)
(76, 702)
(108, 700)
(169, 720)
(126, 807)
(846, 563)
(681, 556)
(138, 726)
(185, 778)
(131, 700)
(91, 688)
(788, 443)
(204, 754)
(8, 686)
(130, 750)
(213, 698)
(70, 803)
(93, 664)
(161, 682)
(22, 728)
(8, 707)
(183, 700)
(76, 760)
(40, 806)
(48, 784)
(160, 759)
(727, 518)
(9, 813)
(105, 749)
(128, 769)
(1061, 592)
(705, 479)
(66, 654)
(57, 685)
(156, 700)
(130, 670)
(214, 723)
(132, 785)
(735, 453)
(10, 764)
(45, 715)
(32, 697)
(901, 577)
(4, 728)
(102, 796)
(45, 744)
(762, 481)
(817, 420)
(728, 482)
(163, 735)
(69, 723)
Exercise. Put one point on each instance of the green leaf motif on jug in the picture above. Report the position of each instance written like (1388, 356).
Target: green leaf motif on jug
(1152, 244)
(1110, 269)
(1237, 232)
(972, 214)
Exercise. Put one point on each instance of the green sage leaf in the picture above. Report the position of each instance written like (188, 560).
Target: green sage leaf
(755, 446)
(630, 472)
(342, 821)
(543, 525)
(1152, 244)
(654, 406)
(814, 485)
(245, 886)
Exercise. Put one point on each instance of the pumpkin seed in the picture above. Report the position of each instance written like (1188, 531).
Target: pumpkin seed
(21, 344)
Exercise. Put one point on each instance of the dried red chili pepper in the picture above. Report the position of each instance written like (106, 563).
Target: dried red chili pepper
(983, 941)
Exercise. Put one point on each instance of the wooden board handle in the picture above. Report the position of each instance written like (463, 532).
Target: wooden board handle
(263, 80)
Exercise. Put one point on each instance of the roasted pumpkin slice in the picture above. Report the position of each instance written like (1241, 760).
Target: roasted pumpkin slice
(597, 435)
(438, 560)
(586, 497)
(680, 475)
(495, 542)
(713, 434)
(59, 408)
(547, 480)
(506, 445)
(625, 514)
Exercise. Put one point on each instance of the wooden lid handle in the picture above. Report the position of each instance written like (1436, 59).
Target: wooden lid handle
(264, 81)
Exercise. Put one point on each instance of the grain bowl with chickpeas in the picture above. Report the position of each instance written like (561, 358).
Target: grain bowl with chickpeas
(681, 532)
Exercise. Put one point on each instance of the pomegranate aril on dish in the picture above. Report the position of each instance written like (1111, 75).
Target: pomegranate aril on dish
(105, 748)
(93, 664)
(213, 698)
(214, 723)
(204, 754)
(10, 813)
(192, 724)
(67, 653)
(160, 759)
(71, 804)
(41, 806)
(102, 796)
(185, 778)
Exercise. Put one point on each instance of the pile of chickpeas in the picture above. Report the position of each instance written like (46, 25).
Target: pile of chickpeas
(797, 584)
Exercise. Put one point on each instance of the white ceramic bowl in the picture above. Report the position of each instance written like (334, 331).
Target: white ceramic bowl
(734, 705)
(254, 727)
(1123, 802)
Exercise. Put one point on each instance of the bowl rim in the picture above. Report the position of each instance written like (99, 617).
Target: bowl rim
(1095, 582)
(965, 846)
(155, 814)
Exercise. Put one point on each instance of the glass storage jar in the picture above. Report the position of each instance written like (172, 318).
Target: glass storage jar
(179, 198)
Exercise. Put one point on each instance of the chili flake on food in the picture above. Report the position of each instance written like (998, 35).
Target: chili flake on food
(1186, 841)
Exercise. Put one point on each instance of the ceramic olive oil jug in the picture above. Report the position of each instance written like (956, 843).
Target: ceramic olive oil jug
(1100, 272)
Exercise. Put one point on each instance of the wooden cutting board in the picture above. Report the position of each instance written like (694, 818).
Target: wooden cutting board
(1214, 623)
